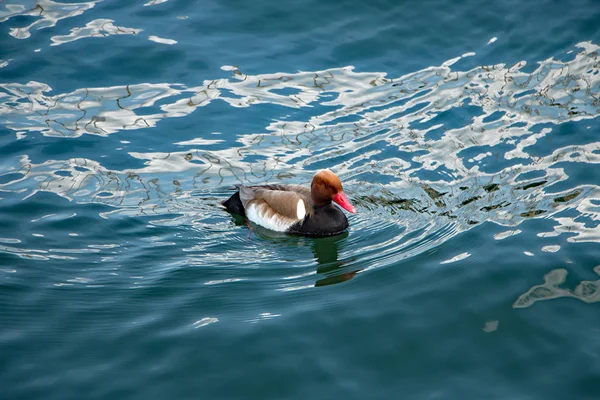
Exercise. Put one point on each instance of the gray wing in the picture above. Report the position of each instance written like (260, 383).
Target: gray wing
(300, 190)
(283, 202)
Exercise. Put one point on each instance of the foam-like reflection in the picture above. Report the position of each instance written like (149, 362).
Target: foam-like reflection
(424, 156)
(205, 321)
(95, 28)
(587, 291)
(95, 111)
(162, 40)
(154, 2)
(48, 13)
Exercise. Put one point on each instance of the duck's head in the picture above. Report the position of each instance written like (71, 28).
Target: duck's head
(326, 187)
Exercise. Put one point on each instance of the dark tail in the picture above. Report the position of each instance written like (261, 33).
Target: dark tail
(234, 205)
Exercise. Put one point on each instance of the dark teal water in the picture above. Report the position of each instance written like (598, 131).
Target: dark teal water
(466, 133)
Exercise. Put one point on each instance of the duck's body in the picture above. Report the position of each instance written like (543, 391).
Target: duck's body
(295, 209)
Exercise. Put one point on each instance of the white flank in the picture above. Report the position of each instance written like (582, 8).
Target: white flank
(301, 209)
(275, 222)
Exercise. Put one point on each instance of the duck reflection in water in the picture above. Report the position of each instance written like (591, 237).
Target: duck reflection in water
(326, 254)
(325, 250)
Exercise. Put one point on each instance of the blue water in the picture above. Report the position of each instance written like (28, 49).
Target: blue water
(466, 134)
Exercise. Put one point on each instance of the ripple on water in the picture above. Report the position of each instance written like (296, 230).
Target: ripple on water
(419, 169)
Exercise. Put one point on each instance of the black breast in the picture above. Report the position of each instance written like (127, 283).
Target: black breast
(326, 220)
(234, 205)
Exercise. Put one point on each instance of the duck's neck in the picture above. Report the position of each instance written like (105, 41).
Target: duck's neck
(323, 206)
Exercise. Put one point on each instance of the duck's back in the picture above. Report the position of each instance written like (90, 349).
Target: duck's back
(237, 202)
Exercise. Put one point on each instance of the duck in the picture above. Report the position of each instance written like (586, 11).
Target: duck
(295, 209)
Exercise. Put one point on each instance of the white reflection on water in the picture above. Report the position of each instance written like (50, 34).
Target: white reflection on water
(443, 169)
(48, 14)
(205, 321)
(587, 291)
(263, 317)
(95, 28)
(459, 257)
(154, 2)
(162, 40)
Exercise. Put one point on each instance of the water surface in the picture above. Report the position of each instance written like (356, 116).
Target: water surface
(466, 136)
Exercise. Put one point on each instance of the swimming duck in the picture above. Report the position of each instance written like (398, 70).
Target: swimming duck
(295, 209)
